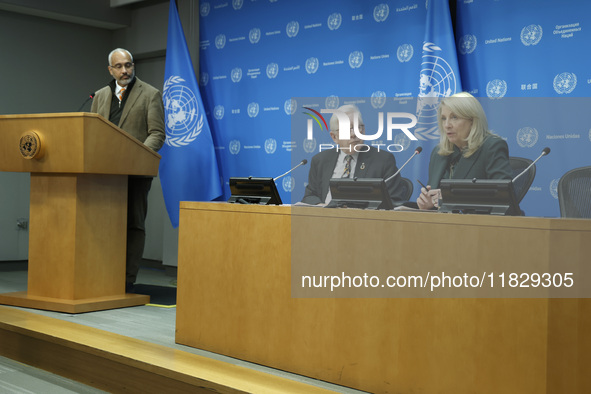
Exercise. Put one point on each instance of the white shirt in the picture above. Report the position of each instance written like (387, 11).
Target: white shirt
(118, 90)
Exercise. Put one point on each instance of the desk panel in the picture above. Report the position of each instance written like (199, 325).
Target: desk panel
(235, 298)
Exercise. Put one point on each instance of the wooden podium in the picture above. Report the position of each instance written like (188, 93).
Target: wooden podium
(79, 163)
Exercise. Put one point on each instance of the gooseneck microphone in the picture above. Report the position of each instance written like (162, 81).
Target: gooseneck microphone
(90, 97)
(545, 151)
(417, 151)
(303, 162)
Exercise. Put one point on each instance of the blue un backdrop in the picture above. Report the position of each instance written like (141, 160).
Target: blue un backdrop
(262, 62)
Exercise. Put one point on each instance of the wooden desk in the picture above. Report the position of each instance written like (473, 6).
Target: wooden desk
(236, 265)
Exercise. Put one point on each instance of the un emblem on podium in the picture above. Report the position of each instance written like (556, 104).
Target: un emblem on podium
(30, 145)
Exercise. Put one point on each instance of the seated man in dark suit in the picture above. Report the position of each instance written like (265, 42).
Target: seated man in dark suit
(347, 161)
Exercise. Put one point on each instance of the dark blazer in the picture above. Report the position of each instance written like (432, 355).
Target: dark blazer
(143, 114)
(491, 161)
(370, 164)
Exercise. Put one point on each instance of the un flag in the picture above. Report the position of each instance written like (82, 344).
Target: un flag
(188, 169)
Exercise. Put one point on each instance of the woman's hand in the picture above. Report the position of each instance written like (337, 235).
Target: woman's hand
(429, 198)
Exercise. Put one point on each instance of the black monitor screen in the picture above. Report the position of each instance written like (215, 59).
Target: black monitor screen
(363, 193)
(254, 191)
(479, 196)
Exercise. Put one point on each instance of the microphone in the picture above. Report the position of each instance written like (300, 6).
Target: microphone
(90, 97)
(282, 175)
(417, 151)
(545, 151)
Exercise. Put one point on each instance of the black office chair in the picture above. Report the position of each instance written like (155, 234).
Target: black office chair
(521, 185)
(574, 193)
(407, 187)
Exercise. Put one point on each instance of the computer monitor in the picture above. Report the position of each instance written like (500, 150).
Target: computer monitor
(262, 191)
(479, 196)
(362, 193)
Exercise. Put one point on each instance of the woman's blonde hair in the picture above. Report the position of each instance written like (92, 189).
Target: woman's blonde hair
(468, 107)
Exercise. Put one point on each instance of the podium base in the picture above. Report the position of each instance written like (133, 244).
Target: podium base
(25, 300)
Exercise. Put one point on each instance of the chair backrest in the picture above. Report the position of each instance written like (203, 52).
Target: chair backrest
(407, 188)
(574, 193)
(521, 185)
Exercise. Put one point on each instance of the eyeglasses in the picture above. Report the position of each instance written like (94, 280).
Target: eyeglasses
(119, 66)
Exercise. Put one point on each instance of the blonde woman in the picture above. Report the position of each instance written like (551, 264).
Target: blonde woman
(467, 148)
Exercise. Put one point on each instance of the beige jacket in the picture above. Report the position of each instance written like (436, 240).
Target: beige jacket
(143, 114)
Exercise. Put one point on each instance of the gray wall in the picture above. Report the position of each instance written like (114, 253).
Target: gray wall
(48, 65)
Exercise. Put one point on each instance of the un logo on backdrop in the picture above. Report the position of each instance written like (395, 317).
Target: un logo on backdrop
(234, 147)
(334, 21)
(204, 9)
(220, 41)
(290, 106)
(183, 121)
(272, 70)
(288, 183)
(404, 53)
(496, 88)
(565, 83)
(204, 80)
(378, 99)
(531, 35)
(355, 59)
(309, 145)
(236, 74)
(331, 102)
(270, 146)
(292, 29)
(218, 112)
(237, 4)
(527, 137)
(467, 44)
(402, 140)
(312, 65)
(381, 12)
(253, 110)
(254, 35)
(554, 188)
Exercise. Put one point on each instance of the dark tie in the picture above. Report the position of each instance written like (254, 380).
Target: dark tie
(347, 172)
(121, 92)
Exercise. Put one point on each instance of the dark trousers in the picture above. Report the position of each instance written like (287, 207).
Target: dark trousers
(137, 209)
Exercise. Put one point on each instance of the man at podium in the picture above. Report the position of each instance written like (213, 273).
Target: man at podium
(136, 107)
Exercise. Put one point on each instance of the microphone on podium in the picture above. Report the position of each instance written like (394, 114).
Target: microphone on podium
(417, 151)
(303, 162)
(90, 97)
(545, 152)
